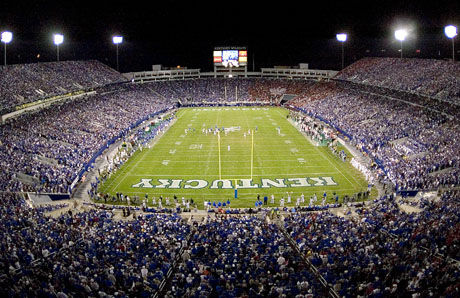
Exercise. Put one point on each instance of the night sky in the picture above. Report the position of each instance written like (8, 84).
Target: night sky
(172, 32)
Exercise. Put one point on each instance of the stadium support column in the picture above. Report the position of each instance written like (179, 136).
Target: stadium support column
(7, 36)
(401, 35)
(453, 50)
(342, 38)
(118, 65)
(58, 40)
(343, 59)
(117, 40)
(401, 48)
(451, 32)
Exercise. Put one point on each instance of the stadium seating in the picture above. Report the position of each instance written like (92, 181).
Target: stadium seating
(52, 146)
(407, 135)
(382, 251)
(25, 83)
(234, 257)
(429, 77)
(229, 90)
(386, 252)
(86, 254)
(411, 143)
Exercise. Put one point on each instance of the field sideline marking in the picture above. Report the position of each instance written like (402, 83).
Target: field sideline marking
(128, 173)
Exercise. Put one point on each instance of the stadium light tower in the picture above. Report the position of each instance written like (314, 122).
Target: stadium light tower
(451, 31)
(401, 35)
(342, 37)
(7, 37)
(58, 39)
(117, 40)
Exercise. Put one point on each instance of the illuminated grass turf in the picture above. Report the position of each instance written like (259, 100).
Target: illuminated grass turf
(283, 159)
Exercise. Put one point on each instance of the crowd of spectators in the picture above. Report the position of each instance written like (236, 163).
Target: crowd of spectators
(416, 147)
(411, 138)
(218, 90)
(434, 78)
(443, 107)
(26, 83)
(52, 146)
(84, 254)
(45, 151)
(385, 252)
(90, 253)
(241, 256)
(382, 252)
(273, 89)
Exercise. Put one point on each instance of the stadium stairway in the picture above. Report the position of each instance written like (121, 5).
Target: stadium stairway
(166, 284)
(81, 190)
(331, 293)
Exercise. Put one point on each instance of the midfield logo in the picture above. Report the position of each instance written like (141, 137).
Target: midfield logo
(235, 183)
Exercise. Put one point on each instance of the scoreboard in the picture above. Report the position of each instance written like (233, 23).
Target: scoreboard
(230, 56)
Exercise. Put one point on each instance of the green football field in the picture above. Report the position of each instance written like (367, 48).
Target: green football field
(257, 151)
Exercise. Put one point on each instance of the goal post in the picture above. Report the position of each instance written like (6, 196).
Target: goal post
(252, 152)
(218, 146)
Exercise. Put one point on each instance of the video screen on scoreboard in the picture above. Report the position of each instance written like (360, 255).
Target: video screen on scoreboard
(230, 57)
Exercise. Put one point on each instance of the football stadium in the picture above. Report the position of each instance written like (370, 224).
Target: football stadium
(232, 181)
